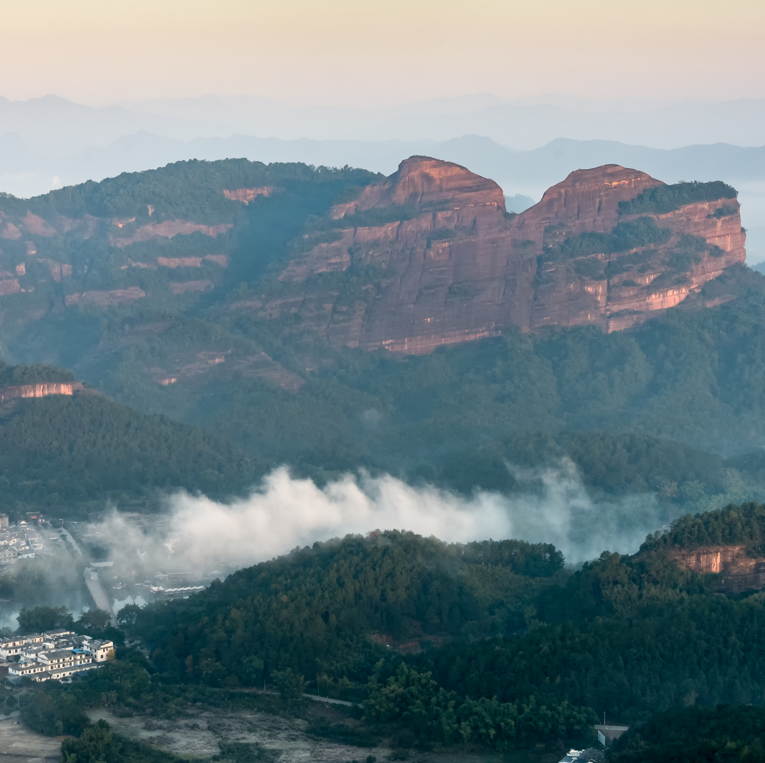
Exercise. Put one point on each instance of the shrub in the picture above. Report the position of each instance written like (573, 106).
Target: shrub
(668, 198)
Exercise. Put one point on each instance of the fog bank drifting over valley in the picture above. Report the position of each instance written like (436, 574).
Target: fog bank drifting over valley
(284, 512)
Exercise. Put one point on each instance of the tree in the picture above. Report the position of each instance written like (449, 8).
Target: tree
(54, 714)
(93, 620)
(291, 685)
(42, 619)
(127, 616)
(97, 744)
(253, 669)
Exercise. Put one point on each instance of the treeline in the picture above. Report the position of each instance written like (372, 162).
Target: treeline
(668, 198)
(650, 404)
(733, 525)
(328, 610)
(62, 450)
(14, 376)
(434, 714)
(722, 733)
(617, 664)
(99, 744)
(190, 189)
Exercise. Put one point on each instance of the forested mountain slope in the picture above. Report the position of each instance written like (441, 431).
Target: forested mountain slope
(336, 605)
(62, 444)
(155, 288)
(566, 646)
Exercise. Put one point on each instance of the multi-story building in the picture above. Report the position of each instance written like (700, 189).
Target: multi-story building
(9, 647)
(22, 669)
(53, 655)
(51, 638)
(100, 650)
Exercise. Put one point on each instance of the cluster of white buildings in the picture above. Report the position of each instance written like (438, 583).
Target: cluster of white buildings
(53, 655)
(18, 541)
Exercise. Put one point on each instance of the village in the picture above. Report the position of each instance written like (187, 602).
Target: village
(55, 655)
(19, 541)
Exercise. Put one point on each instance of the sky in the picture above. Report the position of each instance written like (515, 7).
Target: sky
(368, 53)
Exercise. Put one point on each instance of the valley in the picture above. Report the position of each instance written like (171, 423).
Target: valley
(281, 409)
(382, 382)
(326, 319)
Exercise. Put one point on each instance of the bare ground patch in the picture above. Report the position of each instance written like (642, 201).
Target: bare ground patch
(18, 744)
(201, 733)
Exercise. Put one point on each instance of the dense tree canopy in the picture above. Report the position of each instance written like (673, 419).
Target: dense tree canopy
(667, 198)
(722, 733)
(183, 190)
(329, 608)
(733, 525)
(61, 450)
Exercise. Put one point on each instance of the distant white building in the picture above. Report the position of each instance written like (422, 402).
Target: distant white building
(10, 647)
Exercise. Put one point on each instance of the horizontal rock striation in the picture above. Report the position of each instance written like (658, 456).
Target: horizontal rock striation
(106, 298)
(246, 195)
(40, 390)
(738, 571)
(169, 229)
(429, 257)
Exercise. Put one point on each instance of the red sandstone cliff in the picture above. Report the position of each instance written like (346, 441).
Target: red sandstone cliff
(40, 390)
(738, 571)
(424, 258)
(460, 268)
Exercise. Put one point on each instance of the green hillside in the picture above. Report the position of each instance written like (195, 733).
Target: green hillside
(727, 734)
(509, 637)
(489, 645)
(674, 408)
(317, 608)
(59, 451)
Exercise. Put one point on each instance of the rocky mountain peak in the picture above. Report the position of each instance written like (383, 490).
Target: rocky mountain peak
(427, 184)
(588, 200)
(446, 265)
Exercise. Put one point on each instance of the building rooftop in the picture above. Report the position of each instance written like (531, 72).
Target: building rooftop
(590, 755)
(58, 654)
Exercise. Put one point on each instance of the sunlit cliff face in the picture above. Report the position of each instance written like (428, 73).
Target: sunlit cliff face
(40, 390)
(457, 269)
(738, 570)
(424, 258)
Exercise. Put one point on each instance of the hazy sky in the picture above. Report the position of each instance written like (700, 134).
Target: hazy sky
(381, 51)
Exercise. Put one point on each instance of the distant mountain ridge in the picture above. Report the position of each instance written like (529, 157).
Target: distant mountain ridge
(516, 171)
(431, 253)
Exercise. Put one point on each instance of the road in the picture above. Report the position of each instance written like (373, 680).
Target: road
(313, 697)
(97, 593)
(75, 546)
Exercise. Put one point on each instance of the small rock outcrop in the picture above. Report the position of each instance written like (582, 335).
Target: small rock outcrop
(40, 390)
(738, 570)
